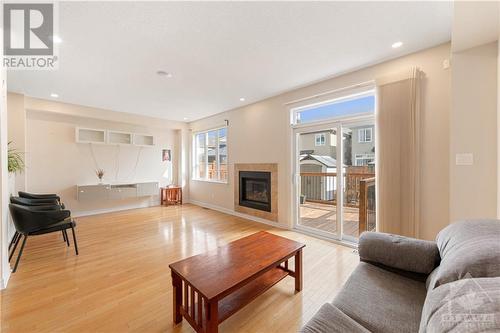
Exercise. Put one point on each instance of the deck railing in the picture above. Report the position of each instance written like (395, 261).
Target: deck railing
(367, 205)
(322, 187)
(359, 192)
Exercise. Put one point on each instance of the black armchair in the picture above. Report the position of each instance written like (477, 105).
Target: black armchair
(31, 221)
(48, 203)
(34, 202)
(39, 196)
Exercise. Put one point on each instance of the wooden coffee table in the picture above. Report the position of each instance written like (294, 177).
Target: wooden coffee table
(211, 287)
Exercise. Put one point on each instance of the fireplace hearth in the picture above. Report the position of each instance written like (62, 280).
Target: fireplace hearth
(255, 190)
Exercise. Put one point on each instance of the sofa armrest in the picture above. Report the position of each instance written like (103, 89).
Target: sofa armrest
(399, 252)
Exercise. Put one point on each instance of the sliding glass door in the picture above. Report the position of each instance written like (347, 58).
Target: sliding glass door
(335, 177)
(318, 180)
(358, 211)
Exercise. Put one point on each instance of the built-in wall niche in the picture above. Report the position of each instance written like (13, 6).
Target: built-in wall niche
(100, 136)
(143, 140)
(121, 138)
(88, 135)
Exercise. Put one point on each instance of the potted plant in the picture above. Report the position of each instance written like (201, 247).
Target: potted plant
(15, 162)
(100, 174)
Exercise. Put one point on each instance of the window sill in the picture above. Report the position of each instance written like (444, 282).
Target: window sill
(210, 181)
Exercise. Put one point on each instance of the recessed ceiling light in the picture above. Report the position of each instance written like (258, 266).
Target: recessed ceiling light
(163, 73)
(54, 95)
(242, 99)
(56, 39)
(397, 44)
(186, 118)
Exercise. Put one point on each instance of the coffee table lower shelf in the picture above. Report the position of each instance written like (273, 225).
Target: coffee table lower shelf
(230, 304)
(235, 301)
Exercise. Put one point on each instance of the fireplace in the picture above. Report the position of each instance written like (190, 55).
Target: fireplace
(255, 190)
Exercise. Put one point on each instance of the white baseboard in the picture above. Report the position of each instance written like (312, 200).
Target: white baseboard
(5, 279)
(238, 214)
(113, 209)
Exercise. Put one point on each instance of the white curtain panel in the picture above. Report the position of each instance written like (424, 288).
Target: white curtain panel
(398, 153)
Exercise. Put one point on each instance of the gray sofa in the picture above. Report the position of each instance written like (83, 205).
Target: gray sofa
(409, 285)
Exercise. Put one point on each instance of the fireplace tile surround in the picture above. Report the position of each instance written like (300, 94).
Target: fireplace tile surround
(257, 170)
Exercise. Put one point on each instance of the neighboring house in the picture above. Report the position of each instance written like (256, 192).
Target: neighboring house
(363, 145)
(318, 156)
(359, 145)
(322, 143)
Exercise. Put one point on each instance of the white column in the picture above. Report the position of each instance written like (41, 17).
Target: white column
(184, 161)
(4, 184)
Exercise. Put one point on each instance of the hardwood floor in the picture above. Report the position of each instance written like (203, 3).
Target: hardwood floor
(121, 280)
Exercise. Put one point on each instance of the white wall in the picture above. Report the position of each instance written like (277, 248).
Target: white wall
(473, 188)
(17, 133)
(498, 116)
(4, 191)
(55, 163)
(4, 180)
(261, 133)
(475, 23)
(474, 121)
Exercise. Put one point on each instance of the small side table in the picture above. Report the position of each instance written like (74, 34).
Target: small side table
(171, 195)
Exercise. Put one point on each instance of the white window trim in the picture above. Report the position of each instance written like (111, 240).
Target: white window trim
(322, 139)
(194, 167)
(365, 130)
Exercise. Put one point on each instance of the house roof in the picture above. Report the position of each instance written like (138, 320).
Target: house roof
(326, 160)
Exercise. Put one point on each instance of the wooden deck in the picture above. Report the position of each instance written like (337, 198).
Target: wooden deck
(324, 217)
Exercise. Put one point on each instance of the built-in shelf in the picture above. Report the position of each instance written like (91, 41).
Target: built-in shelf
(101, 192)
(121, 138)
(144, 140)
(100, 136)
(89, 135)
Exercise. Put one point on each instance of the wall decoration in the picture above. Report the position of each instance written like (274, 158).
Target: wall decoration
(99, 173)
(166, 155)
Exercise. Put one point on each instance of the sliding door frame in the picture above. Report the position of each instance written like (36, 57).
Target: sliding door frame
(339, 124)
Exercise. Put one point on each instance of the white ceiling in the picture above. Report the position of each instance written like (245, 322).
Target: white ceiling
(220, 51)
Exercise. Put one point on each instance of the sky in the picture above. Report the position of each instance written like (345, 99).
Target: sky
(360, 105)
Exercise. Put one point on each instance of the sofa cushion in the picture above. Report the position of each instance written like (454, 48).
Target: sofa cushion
(332, 320)
(468, 248)
(382, 301)
(404, 253)
(466, 305)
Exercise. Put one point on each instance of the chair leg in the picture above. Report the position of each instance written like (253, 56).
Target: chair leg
(20, 253)
(74, 240)
(15, 246)
(13, 240)
(66, 236)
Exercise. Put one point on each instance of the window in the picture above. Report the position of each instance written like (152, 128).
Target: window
(359, 105)
(364, 135)
(210, 155)
(320, 139)
(364, 159)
